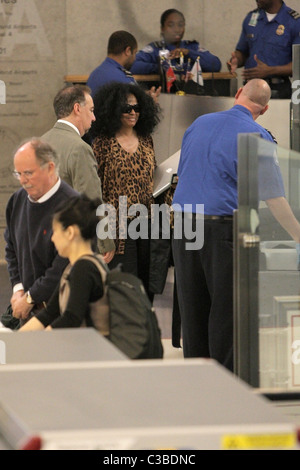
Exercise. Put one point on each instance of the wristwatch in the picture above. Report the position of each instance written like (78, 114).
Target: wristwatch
(29, 298)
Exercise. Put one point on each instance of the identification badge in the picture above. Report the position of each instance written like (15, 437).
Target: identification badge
(280, 30)
(253, 19)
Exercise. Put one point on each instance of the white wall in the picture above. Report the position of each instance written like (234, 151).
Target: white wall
(215, 23)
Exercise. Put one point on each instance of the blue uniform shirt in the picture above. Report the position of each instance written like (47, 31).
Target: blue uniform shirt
(207, 171)
(109, 71)
(271, 41)
(147, 60)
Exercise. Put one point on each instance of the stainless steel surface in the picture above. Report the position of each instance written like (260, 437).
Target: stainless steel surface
(246, 248)
(178, 113)
(59, 345)
(197, 404)
(249, 240)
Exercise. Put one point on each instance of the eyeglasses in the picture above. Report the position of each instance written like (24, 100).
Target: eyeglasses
(129, 107)
(27, 174)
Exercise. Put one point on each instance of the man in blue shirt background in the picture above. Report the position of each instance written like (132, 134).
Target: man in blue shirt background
(207, 175)
(121, 52)
(265, 46)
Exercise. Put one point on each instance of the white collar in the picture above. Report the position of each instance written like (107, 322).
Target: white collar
(69, 124)
(48, 194)
(271, 16)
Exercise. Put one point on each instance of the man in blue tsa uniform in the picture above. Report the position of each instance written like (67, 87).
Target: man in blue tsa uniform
(208, 175)
(265, 46)
(121, 52)
(174, 48)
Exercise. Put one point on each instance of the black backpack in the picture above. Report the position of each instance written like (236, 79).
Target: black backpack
(131, 325)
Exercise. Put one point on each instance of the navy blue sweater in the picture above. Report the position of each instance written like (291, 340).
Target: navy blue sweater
(31, 256)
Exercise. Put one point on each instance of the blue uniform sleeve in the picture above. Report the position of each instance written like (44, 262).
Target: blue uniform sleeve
(242, 44)
(93, 83)
(270, 182)
(146, 61)
(208, 61)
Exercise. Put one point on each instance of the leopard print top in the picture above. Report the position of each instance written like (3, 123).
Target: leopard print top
(125, 174)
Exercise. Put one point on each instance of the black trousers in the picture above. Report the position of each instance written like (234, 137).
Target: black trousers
(136, 260)
(282, 90)
(204, 279)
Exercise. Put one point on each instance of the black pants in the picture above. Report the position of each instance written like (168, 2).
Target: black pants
(136, 260)
(204, 279)
(281, 91)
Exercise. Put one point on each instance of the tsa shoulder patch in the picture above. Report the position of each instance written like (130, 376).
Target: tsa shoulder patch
(148, 49)
(158, 44)
(294, 14)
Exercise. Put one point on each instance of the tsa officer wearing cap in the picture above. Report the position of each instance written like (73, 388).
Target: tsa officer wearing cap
(265, 46)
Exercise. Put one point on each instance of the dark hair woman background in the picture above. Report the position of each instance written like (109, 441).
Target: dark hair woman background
(74, 229)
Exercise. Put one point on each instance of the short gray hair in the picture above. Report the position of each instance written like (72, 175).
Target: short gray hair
(43, 151)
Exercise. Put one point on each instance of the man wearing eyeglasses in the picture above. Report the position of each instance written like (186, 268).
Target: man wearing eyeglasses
(34, 266)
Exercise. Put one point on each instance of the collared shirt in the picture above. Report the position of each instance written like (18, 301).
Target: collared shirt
(272, 41)
(107, 72)
(48, 194)
(207, 171)
(69, 124)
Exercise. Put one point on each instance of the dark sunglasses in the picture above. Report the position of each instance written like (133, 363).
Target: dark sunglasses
(129, 107)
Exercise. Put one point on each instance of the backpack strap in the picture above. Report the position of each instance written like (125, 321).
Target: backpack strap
(99, 310)
(64, 289)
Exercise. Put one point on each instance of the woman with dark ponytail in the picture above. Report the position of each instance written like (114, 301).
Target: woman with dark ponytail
(74, 231)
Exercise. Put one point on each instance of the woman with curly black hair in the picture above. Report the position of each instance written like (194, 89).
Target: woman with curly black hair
(126, 117)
